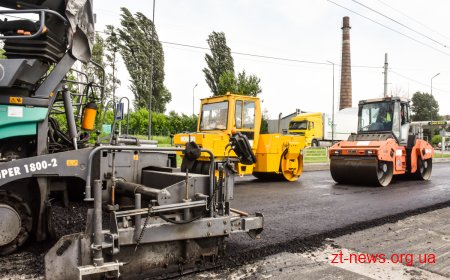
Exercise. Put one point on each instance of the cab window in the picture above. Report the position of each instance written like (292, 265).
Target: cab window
(249, 115)
(238, 118)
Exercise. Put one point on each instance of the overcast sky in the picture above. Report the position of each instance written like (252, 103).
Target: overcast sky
(302, 30)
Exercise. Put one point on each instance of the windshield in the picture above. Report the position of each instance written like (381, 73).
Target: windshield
(298, 125)
(214, 116)
(375, 117)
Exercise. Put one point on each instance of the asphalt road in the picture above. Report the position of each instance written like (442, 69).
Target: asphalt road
(316, 204)
(298, 215)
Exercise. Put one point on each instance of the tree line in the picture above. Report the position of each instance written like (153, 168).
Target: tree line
(137, 42)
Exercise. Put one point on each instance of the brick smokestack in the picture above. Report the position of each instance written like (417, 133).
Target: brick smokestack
(346, 69)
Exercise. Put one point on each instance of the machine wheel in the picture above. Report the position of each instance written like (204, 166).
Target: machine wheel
(361, 170)
(291, 168)
(385, 172)
(424, 168)
(16, 222)
(314, 143)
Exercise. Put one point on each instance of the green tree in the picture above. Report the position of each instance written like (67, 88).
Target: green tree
(219, 61)
(264, 122)
(436, 139)
(98, 52)
(248, 85)
(227, 83)
(424, 107)
(159, 124)
(137, 36)
(112, 47)
(139, 122)
(189, 123)
(2, 56)
(219, 74)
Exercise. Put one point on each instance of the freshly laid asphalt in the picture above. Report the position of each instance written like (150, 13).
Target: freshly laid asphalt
(315, 203)
(301, 216)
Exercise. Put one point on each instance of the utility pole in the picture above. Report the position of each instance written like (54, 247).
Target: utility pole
(332, 110)
(385, 74)
(431, 101)
(151, 78)
(193, 100)
(113, 35)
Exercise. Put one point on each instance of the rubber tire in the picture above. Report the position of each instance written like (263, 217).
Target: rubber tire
(424, 169)
(24, 210)
(388, 174)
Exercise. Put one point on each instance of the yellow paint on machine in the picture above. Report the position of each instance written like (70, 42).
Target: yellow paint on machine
(72, 162)
(15, 100)
(223, 116)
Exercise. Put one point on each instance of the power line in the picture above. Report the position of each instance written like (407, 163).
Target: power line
(266, 56)
(420, 83)
(387, 27)
(249, 54)
(399, 23)
(415, 20)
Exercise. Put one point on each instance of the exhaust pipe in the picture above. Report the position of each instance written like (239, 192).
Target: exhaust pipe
(279, 122)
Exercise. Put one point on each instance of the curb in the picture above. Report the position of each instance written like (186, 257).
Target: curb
(326, 165)
(316, 166)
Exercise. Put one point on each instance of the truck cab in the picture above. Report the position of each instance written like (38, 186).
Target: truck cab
(309, 125)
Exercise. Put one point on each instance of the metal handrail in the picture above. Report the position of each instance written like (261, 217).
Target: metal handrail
(41, 29)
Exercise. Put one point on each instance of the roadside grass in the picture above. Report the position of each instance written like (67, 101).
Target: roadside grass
(439, 154)
(163, 141)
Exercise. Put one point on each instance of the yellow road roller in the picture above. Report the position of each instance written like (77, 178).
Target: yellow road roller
(226, 122)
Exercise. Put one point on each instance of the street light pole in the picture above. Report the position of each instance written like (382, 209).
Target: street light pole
(432, 82)
(193, 100)
(332, 110)
(431, 105)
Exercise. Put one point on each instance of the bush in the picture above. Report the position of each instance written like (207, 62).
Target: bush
(161, 124)
(436, 139)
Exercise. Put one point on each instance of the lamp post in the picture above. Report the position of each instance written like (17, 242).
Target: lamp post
(431, 101)
(193, 100)
(332, 110)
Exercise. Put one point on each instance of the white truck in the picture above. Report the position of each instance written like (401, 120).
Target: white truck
(316, 127)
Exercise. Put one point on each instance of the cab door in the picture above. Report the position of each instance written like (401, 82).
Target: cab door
(245, 114)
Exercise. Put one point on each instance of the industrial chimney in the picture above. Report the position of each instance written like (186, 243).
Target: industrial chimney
(346, 69)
